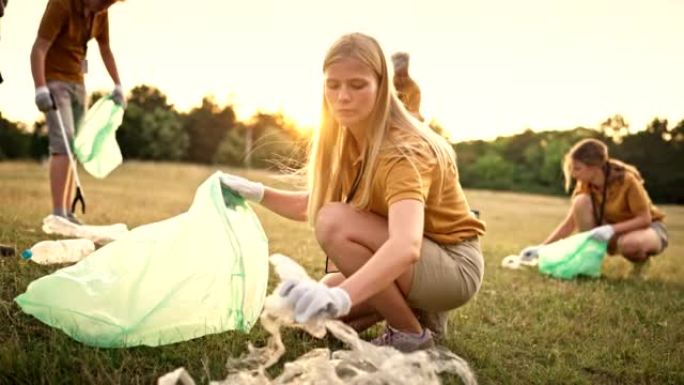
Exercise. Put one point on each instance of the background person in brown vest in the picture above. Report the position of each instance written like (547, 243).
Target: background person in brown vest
(3, 4)
(58, 63)
(610, 201)
(407, 89)
(5, 250)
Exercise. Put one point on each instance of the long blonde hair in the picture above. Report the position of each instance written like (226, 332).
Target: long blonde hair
(593, 152)
(326, 164)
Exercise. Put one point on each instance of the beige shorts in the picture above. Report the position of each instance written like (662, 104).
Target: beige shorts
(70, 100)
(446, 276)
(661, 230)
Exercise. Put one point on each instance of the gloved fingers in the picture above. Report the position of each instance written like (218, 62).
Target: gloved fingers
(297, 294)
(232, 177)
(287, 287)
(341, 301)
(313, 304)
(118, 95)
(301, 307)
(232, 181)
(44, 102)
(293, 291)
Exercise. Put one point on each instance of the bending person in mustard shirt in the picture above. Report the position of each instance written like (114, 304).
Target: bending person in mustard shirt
(611, 201)
(3, 4)
(58, 63)
(386, 205)
(407, 89)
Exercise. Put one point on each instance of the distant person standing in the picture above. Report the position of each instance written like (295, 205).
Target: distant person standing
(4, 249)
(58, 63)
(3, 4)
(407, 89)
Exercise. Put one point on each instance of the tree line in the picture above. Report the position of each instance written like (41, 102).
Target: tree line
(531, 161)
(153, 129)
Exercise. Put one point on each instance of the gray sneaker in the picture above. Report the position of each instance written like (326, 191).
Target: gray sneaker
(71, 217)
(404, 342)
(436, 321)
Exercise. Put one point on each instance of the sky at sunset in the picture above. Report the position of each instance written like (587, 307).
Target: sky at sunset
(486, 68)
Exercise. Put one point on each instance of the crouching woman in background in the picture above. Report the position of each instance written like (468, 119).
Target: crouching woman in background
(610, 201)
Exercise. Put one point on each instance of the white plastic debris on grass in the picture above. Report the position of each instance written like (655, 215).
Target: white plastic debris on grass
(511, 262)
(363, 363)
(515, 261)
(178, 376)
(53, 224)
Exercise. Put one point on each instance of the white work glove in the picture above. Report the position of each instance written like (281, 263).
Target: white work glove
(44, 100)
(602, 233)
(311, 299)
(530, 253)
(253, 191)
(118, 96)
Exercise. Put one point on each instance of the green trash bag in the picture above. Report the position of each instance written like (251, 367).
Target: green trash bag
(202, 272)
(95, 144)
(576, 255)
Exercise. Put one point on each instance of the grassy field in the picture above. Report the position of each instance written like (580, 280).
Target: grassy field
(522, 328)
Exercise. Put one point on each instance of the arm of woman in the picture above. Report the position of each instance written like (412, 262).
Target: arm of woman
(109, 62)
(38, 53)
(639, 203)
(564, 229)
(640, 221)
(289, 204)
(395, 256)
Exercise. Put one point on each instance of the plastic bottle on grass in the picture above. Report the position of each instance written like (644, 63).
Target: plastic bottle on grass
(60, 251)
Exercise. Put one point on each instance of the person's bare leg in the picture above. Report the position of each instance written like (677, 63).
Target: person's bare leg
(582, 212)
(59, 172)
(61, 180)
(69, 186)
(70, 100)
(350, 237)
(638, 245)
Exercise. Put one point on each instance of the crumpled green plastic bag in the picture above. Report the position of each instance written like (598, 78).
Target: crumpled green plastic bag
(579, 254)
(202, 272)
(95, 144)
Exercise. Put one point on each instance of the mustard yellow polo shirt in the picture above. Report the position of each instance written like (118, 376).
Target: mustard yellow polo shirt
(65, 24)
(625, 198)
(448, 219)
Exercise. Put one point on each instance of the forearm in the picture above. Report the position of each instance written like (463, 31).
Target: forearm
(109, 62)
(639, 222)
(38, 54)
(391, 260)
(564, 229)
(289, 204)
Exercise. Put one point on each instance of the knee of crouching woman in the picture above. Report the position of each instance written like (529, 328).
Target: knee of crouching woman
(329, 225)
(631, 249)
(582, 203)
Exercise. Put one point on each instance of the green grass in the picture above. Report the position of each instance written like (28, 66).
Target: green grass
(522, 328)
